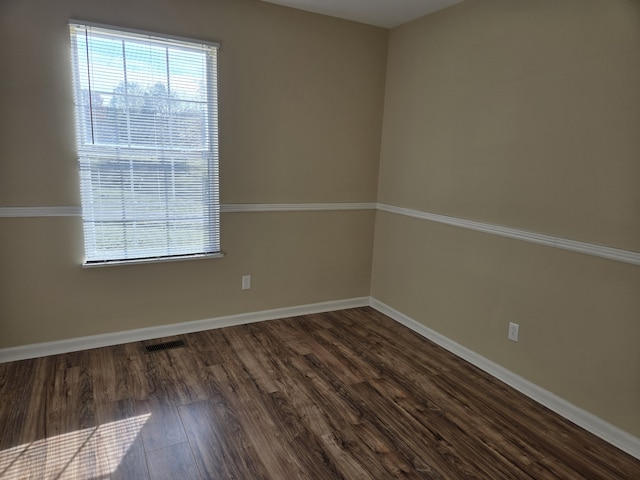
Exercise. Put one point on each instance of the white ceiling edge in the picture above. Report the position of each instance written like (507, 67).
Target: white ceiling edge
(381, 13)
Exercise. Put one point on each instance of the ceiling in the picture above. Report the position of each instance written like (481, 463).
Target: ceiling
(383, 13)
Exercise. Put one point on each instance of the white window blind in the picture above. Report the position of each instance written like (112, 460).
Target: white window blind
(147, 142)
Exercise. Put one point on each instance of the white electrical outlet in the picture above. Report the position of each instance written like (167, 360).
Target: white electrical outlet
(246, 282)
(514, 329)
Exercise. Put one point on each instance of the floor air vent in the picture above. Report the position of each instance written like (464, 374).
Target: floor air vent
(164, 346)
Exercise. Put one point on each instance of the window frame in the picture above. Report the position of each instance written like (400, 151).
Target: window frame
(211, 202)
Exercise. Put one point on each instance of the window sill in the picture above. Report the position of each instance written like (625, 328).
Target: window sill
(142, 261)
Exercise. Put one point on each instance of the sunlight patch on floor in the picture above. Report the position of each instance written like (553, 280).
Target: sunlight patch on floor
(90, 453)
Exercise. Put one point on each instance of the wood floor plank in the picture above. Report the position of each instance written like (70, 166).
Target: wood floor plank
(286, 332)
(117, 441)
(351, 358)
(305, 399)
(163, 427)
(172, 378)
(546, 433)
(342, 395)
(428, 452)
(173, 462)
(268, 440)
(378, 460)
(460, 438)
(331, 394)
(338, 364)
(271, 340)
(339, 451)
(310, 450)
(23, 424)
(399, 467)
(257, 362)
(211, 347)
(104, 377)
(22, 403)
(185, 371)
(370, 336)
(220, 448)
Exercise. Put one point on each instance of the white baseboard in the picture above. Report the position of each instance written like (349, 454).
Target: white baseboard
(610, 433)
(107, 339)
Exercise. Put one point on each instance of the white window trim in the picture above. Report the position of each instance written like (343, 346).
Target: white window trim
(212, 151)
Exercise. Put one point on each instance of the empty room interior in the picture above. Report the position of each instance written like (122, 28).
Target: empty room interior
(428, 262)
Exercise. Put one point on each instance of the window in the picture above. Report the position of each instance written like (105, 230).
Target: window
(147, 143)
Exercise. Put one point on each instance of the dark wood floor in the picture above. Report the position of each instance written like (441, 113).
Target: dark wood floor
(343, 395)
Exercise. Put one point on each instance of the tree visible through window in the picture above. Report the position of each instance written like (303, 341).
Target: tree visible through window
(146, 130)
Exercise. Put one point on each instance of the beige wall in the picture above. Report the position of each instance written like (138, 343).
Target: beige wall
(523, 114)
(294, 259)
(301, 99)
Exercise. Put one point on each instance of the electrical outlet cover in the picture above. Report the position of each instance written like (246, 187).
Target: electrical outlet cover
(514, 330)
